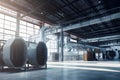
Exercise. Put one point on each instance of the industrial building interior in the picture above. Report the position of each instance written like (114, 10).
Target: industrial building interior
(59, 39)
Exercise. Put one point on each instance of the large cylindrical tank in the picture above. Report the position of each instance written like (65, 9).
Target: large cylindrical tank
(14, 52)
(37, 55)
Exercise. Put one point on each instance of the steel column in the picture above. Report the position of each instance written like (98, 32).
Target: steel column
(17, 25)
(62, 45)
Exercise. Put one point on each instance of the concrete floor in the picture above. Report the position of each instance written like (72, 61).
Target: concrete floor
(69, 71)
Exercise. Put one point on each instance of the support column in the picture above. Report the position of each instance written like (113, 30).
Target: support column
(17, 25)
(62, 45)
(42, 33)
(58, 36)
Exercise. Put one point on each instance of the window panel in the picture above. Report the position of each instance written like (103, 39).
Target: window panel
(1, 36)
(29, 25)
(36, 27)
(1, 30)
(7, 22)
(36, 31)
(22, 30)
(29, 29)
(1, 25)
(10, 18)
(13, 28)
(1, 16)
(52, 46)
(7, 31)
(22, 34)
(7, 26)
(1, 21)
(22, 27)
(13, 24)
(7, 17)
(23, 22)
(12, 33)
(30, 33)
(6, 37)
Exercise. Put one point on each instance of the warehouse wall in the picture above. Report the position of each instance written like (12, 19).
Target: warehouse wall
(8, 25)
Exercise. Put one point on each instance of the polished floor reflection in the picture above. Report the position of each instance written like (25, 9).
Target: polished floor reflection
(69, 71)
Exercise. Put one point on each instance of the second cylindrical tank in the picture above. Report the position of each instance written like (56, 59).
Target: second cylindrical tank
(37, 55)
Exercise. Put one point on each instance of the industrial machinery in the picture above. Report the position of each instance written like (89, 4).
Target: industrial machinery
(37, 55)
(88, 55)
(98, 55)
(119, 54)
(110, 54)
(13, 53)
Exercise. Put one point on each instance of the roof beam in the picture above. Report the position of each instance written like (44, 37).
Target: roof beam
(73, 44)
(106, 38)
(85, 23)
(93, 22)
(35, 9)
